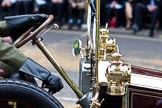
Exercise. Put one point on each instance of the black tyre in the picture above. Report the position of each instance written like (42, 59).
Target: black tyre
(25, 95)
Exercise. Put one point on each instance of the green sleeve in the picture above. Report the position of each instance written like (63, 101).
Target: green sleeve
(3, 29)
(10, 57)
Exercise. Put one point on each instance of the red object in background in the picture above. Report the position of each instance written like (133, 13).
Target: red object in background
(112, 22)
(1, 72)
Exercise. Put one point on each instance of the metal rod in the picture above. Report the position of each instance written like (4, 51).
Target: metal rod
(62, 72)
(35, 33)
(97, 35)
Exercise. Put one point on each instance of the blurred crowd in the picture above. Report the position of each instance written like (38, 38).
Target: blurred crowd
(64, 11)
(131, 14)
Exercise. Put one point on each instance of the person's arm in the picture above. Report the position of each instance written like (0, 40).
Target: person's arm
(3, 28)
(14, 61)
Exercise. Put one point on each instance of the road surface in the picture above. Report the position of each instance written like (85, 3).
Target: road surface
(137, 50)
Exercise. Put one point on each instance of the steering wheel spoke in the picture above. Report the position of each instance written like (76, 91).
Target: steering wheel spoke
(29, 35)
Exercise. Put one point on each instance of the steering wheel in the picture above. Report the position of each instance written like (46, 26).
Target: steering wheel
(29, 35)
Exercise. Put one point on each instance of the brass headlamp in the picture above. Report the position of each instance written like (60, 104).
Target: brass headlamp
(118, 72)
(118, 75)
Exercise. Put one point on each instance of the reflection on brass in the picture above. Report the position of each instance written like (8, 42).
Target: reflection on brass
(116, 57)
(104, 32)
(111, 46)
(95, 102)
(118, 72)
(102, 54)
(104, 35)
(107, 45)
(118, 76)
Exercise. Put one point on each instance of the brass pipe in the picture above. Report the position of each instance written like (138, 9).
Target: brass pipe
(97, 36)
(49, 56)
(62, 72)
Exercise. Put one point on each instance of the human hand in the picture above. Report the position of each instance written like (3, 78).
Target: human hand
(53, 83)
(151, 8)
(73, 4)
(57, 1)
(80, 5)
(113, 3)
(8, 40)
(6, 3)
